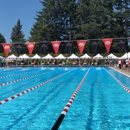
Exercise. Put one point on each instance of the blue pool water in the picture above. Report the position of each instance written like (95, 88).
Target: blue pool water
(100, 104)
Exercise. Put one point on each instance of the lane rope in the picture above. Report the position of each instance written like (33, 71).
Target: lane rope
(17, 80)
(33, 88)
(66, 108)
(7, 71)
(14, 75)
(122, 85)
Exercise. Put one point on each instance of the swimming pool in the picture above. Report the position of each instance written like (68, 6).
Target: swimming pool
(34, 98)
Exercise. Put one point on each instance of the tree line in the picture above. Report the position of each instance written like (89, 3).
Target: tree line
(78, 19)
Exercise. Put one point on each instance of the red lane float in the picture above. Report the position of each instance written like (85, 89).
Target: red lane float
(65, 110)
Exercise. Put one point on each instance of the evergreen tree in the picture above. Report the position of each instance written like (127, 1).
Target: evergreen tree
(55, 21)
(2, 40)
(92, 20)
(66, 17)
(119, 11)
(17, 34)
(43, 28)
(81, 19)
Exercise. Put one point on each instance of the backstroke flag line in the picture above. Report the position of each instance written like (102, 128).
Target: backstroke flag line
(6, 47)
(56, 45)
(30, 46)
(107, 42)
(81, 44)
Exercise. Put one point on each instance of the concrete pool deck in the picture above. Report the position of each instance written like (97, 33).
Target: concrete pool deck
(124, 71)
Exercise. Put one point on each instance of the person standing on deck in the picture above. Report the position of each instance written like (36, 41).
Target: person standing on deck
(126, 64)
(119, 63)
(129, 63)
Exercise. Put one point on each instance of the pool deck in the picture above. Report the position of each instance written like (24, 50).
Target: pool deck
(124, 71)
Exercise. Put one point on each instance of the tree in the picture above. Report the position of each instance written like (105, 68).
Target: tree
(120, 15)
(17, 34)
(81, 19)
(43, 29)
(55, 21)
(2, 40)
(93, 21)
(65, 19)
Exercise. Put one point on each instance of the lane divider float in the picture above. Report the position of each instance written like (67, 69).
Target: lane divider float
(13, 75)
(17, 80)
(122, 85)
(7, 71)
(31, 89)
(66, 108)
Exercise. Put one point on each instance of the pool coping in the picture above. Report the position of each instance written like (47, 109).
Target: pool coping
(125, 72)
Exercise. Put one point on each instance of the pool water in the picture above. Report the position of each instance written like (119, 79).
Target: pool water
(100, 104)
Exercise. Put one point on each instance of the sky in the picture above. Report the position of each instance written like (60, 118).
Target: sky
(12, 10)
